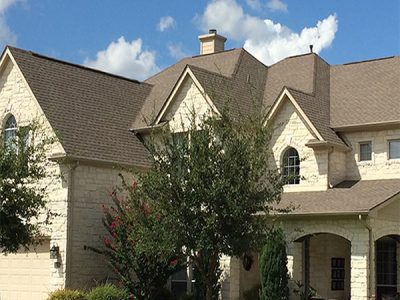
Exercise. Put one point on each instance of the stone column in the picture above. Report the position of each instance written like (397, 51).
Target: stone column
(230, 279)
(359, 268)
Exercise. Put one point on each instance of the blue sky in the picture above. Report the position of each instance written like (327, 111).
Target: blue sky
(138, 38)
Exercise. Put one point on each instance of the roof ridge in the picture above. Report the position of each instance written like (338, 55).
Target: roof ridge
(366, 60)
(214, 53)
(190, 66)
(76, 65)
(293, 56)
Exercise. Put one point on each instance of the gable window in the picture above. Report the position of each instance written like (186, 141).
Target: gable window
(394, 149)
(365, 151)
(291, 166)
(10, 131)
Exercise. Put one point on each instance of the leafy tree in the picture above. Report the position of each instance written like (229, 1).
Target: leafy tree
(211, 182)
(138, 246)
(24, 169)
(273, 266)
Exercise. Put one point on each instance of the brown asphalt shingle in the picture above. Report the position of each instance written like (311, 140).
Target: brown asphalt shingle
(90, 110)
(347, 197)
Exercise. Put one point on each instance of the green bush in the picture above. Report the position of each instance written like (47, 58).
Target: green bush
(165, 294)
(107, 292)
(66, 295)
(273, 268)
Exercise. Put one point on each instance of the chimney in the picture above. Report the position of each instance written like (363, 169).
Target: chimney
(211, 42)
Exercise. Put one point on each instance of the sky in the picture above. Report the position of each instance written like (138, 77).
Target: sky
(138, 38)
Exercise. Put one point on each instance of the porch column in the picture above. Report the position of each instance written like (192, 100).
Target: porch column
(359, 267)
(230, 279)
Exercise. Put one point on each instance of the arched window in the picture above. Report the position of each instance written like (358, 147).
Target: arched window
(291, 166)
(10, 130)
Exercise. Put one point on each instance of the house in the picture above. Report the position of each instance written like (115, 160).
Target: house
(336, 131)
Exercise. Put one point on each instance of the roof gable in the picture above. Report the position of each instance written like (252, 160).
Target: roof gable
(91, 111)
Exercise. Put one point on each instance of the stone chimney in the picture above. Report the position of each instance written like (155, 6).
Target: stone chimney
(211, 42)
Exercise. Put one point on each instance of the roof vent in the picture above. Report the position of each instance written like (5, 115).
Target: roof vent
(311, 48)
(211, 42)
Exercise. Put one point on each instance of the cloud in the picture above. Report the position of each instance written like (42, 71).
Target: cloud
(6, 35)
(126, 59)
(254, 4)
(165, 23)
(265, 39)
(176, 51)
(277, 5)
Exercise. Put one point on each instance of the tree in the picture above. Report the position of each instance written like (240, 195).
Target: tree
(212, 182)
(138, 246)
(23, 191)
(273, 267)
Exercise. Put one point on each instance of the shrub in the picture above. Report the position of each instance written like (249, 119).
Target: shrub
(107, 292)
(66, 295)
(273, 266)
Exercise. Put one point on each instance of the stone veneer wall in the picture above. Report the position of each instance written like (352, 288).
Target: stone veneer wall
(91, 190)
(380, 167)
(17, 99)
(290, 131)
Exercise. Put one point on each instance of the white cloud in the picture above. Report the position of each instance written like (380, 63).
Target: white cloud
(165, 23)
(126, 59)
(177, 51)
(254, 4)
(277, 5)
(6, 35)
(266, 40)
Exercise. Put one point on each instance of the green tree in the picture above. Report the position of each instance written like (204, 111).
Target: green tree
(138, 245)
(273, 266)
(212, 182)
(24, 171)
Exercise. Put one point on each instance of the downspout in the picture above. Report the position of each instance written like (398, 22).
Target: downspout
(370, 258)
(70, 202)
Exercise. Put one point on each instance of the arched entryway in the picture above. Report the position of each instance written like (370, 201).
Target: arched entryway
(322, 263)
(387, 267)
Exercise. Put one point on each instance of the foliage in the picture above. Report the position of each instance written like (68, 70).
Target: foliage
(65, 294)
(303, 292)
(187, 297)
(165, 294)
(107, 292)
(23, 191)
(253, 293)
(273, 266)
(210, 182)
(139, 247)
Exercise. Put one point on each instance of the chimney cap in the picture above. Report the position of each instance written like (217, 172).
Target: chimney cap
(210, 31)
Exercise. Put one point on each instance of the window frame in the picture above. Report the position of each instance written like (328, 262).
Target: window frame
(338, 273)
(9, 128)
(287, 166)
(388, 145)
(360, 158)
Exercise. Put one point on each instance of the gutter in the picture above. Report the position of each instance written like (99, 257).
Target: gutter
(370, 256)
(70, 203)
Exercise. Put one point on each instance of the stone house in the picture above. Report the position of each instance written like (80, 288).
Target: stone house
(336, 131)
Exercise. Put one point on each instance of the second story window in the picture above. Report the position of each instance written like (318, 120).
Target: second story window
(10, 131)
(365, 151)
(291, 166)
(394, 149)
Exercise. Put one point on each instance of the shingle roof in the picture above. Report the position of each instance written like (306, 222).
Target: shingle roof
(365, 92)
(90, 110)
(347, 197)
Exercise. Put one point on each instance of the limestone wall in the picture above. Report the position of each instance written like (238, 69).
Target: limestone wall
(379, 167)
(17, 99)
(290, 131)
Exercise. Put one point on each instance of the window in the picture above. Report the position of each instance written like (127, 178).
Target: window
(394, 149)
(365, 151)
(182, 282)
(337, 273)
(291, 166)
(10, 131)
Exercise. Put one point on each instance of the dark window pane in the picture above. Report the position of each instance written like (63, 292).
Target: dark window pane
(394, 149)
(365, 151)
